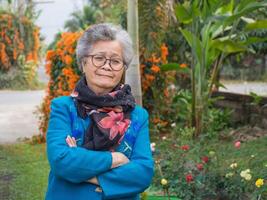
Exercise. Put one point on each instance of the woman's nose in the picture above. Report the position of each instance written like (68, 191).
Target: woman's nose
(107, 66)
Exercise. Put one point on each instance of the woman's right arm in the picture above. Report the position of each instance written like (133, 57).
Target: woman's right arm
(73, 164)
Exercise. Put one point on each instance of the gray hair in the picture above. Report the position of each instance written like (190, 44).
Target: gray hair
(104, 32)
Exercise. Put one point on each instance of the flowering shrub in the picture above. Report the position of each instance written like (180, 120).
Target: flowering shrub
(159, 87)
(197, 171)
(63, 72)
(19, 51)
(15, 42)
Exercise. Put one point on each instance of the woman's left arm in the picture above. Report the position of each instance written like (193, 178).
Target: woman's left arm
(135, 176)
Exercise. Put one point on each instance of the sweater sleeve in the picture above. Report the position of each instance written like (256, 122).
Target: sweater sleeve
(74, 164)
(134, 177)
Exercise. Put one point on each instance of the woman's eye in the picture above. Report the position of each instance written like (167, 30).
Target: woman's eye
(115, 61)
(100, 58)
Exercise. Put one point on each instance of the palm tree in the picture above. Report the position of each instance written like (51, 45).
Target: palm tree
(82, 19)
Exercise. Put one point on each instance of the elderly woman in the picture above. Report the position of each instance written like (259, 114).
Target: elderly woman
(98, 143)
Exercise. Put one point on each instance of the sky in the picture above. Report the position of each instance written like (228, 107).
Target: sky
(53, 15)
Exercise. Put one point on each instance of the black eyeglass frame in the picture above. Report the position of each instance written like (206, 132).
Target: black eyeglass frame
(92, 56)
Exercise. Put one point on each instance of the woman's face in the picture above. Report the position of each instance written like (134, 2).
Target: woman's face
(102, 79)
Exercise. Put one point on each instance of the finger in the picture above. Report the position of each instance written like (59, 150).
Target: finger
(68, 141)
(74, 140)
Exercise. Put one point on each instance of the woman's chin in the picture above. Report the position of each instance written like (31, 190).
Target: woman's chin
(106, 84)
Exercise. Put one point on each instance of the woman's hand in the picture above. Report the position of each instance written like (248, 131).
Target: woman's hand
(71, 141)
(118, 159)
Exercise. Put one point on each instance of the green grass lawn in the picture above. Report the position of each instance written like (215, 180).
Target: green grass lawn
(24, 167)
(23, 171)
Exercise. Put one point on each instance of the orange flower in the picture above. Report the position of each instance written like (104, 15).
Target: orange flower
(15, 54)
(48, 66)
(29, 57)
(20, 45)
(155, 68)
(4, 57)
(149, 77)
(50, 54)
(166, 93)
(164, 53)
(154, 59)
(68, 59)
(156, 120)
(8, 41)
(183, 65)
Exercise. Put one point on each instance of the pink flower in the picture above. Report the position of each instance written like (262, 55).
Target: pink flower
(205, 159)
(153, 146)
(200, 166)
(116, 123)
(113, 93)
(237, 144)
(185, 147)
(189, 178)
(74, 94)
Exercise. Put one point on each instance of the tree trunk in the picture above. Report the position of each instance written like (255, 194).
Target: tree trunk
(133, 77)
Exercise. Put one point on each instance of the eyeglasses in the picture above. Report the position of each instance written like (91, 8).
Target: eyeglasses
(116, 64)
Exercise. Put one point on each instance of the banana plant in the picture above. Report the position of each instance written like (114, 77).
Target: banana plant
(213, 29)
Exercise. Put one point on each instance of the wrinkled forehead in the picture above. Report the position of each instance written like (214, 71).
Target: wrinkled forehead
(107, 48)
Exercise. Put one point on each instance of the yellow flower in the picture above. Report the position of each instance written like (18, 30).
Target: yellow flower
(233, 165)
(259, 182)
(212, 153)
(164, 182)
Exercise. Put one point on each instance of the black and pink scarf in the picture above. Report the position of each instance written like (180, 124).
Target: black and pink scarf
(109, 113)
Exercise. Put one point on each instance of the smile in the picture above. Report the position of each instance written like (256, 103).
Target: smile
(109, 76)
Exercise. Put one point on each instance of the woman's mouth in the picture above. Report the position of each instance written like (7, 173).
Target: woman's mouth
(105, 75)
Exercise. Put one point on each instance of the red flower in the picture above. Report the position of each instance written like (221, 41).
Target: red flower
(185, 147)
(205, 159)
(189, 178)
(116, 123)
(200, 166)
(237, 144)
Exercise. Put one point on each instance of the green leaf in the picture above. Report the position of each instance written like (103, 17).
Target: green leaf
(228, 46)
(194, 43)
(174, 66)
(261, 24)
(226, 9)
(252, 40)
(182, 14)
(250, 7)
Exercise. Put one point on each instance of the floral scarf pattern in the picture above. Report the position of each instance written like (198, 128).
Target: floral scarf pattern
(110, 114)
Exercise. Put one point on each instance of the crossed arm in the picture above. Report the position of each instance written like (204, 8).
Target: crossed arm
(106, 169)
(118, 158)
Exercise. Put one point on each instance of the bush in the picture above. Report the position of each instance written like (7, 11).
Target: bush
(19, 50)
(63, 72)
(211, 170)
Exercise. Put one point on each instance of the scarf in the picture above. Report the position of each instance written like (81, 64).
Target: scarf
(110, 114)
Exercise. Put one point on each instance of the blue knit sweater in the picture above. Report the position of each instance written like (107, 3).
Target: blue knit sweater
(71, 167)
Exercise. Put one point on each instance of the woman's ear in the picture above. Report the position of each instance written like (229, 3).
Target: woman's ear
(123, 77)
(83, 66)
